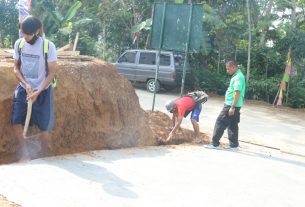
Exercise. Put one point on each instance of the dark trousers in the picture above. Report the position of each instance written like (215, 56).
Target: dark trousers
(225, 121)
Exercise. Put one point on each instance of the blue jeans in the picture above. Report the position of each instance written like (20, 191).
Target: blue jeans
(196, 112)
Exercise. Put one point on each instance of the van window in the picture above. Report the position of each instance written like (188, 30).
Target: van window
(165, 60)
(147, 58)
(128, 57)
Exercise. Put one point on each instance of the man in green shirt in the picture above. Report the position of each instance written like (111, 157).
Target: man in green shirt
(229, 117)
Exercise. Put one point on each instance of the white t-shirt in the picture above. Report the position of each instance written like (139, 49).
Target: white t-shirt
(33, 61)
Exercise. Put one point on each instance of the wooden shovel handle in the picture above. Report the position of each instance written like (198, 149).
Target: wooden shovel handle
(28, 118)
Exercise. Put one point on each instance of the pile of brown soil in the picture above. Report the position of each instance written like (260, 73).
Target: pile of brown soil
(95, 107)
(161, 125)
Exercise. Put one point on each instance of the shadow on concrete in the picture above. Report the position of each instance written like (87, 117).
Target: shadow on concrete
(269, 156)
(82, 165)
(110, 182)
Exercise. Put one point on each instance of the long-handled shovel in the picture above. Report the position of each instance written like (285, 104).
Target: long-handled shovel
(28, 118)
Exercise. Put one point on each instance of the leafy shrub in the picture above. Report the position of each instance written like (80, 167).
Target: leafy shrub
(210, 81)
(261, 89)
(296, 97)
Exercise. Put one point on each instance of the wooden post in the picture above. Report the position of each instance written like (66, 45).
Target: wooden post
(267, 82)
(75, 41)
(278, 92)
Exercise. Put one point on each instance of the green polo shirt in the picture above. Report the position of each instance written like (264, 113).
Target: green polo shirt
(237, 83)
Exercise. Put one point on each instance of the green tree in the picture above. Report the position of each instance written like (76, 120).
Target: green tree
(9, 22)
(106, 29)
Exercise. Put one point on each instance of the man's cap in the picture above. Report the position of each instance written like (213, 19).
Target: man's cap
(170, 106)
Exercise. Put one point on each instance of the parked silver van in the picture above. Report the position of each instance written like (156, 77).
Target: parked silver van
(140, 66)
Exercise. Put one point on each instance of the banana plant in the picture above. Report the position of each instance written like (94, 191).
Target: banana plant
(61, 20)
(145, 25)
(56, 21)
(6, 42)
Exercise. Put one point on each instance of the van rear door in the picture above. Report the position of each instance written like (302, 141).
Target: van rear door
(167, 73)
(146, 67)
(126, 65)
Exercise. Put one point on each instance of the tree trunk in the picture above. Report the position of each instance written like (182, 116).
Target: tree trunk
(249, 43)
(104, 43)
(266, 18)
(218, 61)
(262, 38)
(267, 94)
(147, 40)
(293, 16)
(134, 13)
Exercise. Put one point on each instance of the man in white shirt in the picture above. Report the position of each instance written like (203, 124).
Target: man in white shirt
(35, 74)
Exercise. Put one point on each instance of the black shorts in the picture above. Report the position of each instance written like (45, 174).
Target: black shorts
(42, 109)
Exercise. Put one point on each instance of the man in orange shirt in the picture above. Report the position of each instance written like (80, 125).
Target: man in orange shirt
(181, 108)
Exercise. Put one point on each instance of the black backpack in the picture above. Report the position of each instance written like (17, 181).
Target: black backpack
(200, 97)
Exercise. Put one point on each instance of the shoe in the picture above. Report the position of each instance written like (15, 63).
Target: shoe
(211, 146)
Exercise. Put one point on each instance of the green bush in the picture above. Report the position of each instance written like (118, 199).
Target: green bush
(296, 95)
(210, 81)
(261, 89)
(258, 88)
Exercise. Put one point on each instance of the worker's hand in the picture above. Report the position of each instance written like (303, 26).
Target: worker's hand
(33, 96)
(29, 89)
(169, 137)
(231, 112)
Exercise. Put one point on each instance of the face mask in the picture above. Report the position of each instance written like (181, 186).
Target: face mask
(33, 40)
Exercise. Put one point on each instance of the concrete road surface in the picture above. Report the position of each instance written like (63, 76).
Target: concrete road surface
(168, 176)
(172, 176)
(260, 123)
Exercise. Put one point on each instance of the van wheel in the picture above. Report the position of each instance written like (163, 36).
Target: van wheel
(150, 85)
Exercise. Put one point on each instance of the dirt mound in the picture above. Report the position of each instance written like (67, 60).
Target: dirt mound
(161, 125)
(98, 109)
(95, 108)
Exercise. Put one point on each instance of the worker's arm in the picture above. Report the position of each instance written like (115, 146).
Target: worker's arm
(176, 126)
(21, 78)
(236, 97)
(52, 68)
